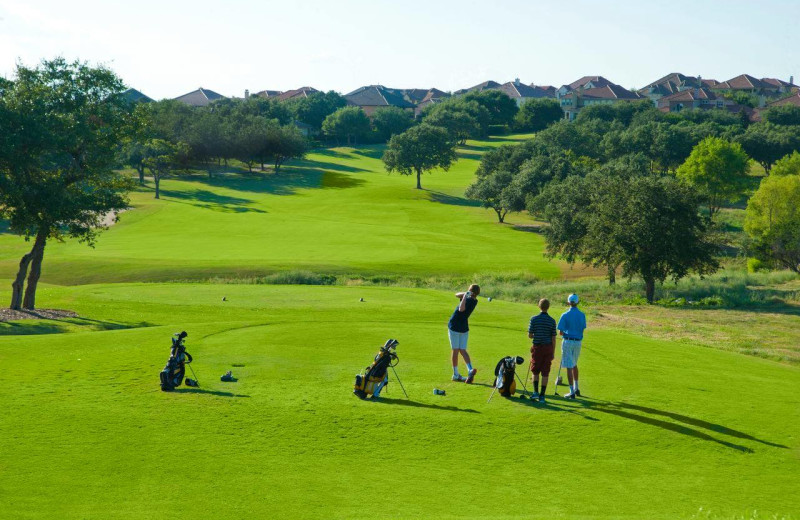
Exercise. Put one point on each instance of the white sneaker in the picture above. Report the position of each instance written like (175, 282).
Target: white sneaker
(459, 378)
(534, 395)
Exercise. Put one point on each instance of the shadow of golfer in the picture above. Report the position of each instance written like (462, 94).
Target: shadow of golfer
(699, 423)
(212, 392)
(622, 410)
(404, 402)
(549, 405)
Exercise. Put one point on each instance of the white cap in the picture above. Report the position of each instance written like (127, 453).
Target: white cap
(573, 298)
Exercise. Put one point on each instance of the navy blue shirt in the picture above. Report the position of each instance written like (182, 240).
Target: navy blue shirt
(459, 320)
(543, 328)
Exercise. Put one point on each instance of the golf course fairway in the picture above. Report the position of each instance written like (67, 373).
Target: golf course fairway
(337, 211)
(667, 430)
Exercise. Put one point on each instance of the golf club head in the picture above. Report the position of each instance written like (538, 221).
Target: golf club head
(519, 360)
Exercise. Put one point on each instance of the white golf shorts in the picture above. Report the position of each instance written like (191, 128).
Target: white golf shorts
(570, 352)
(458, 340)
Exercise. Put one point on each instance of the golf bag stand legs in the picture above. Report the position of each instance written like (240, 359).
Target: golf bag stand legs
(398, 380)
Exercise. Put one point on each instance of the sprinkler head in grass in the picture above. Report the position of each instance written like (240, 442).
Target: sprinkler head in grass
(224, 299)
(361, 299)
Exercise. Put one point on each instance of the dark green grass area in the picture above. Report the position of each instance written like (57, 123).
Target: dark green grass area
(667, 428)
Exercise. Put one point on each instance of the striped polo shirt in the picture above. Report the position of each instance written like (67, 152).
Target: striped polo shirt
(543, 328)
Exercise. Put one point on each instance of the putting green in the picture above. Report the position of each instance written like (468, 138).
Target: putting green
(338, 211)
(666, 428)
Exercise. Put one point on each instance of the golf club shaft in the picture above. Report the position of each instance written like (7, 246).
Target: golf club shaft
(401, 383)
(555, 386)
(195, 375)
(493, 391)
(524, 388)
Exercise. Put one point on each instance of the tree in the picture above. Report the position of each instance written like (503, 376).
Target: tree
(132, 153)
(788, 165)
(419, 149)
(284, 143)
(766, 142)
(489, 190)
(717, 169)
(391, 121)
(773, 221)
(251, 140)
(501, 108)
(538, 114)
(162, 159)
(459, 123)
(57, 159)
(647, 224)
(314, 108)
(348, 123)
(783, 115)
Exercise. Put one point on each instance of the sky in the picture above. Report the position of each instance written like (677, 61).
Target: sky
(167, 48)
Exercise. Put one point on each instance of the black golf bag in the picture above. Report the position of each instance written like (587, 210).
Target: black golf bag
(505, 375)
(375, 377)
(172, 375)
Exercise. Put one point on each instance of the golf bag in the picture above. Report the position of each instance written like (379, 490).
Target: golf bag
(375, 376)
(505, 375)
(172, 375)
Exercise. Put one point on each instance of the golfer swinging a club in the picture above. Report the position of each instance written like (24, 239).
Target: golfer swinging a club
(571, 326)
(458, 331)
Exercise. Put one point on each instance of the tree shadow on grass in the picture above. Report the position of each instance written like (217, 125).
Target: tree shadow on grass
(626, 411)
(214, 201)
(371, 152)
(443, 198)
(204, 391)
(415, 404)
(60, 326)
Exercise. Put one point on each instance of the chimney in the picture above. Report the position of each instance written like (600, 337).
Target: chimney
(791, 80)
(516, 82)
(246, 94)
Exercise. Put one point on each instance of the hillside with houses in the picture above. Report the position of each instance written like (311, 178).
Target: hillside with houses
(674, 92)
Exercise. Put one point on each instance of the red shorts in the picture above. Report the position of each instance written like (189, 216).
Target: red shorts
(542, 355)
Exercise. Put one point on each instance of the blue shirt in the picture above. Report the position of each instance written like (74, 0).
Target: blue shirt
(459, 320)
(572, 323)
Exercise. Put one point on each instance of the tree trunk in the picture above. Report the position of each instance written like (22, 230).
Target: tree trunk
(612, 275)
(19, 282)
(419, 174)
(37, 254)
(649, 289)
(501, 215)
(140, 169)
(157, 182)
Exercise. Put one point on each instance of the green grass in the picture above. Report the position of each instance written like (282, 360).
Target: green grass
(337, 211)
(668, 428)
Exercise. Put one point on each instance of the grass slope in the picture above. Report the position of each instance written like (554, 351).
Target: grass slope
(337, 211)
(668, 428)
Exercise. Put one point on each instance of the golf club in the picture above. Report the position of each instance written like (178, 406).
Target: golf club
(524, 388)
(558, 377)
(195, 375)
(493, 391)
(527, 374)
(398, 380)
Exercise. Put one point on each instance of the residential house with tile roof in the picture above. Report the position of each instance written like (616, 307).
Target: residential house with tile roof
(268, 93)
(373, 97)
(692, 98)
(200, 97)
(520, 92)
(587, 94)
(668, 85)
(301, 92)
(432, 97)
(583, 83)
